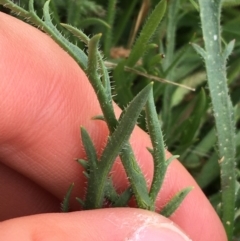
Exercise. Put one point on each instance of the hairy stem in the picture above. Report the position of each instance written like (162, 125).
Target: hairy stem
(215, 60)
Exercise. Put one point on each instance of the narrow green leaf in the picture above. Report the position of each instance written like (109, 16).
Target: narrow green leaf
(228, 50)
(123, 84)
(76, 32)
(195, 5)
(155, 132)
(170, 159)
(31, 7)
(151, 46)
(83, 163)
(199, 50)
(146, 34)
(124, 22)
(89, 149)
(157, 59)
(175, 202)
(86, 174)
(94, 21)
(124, 198)
(192, 124)
(93, 57)
(231, 3)
(150, 150)
(65, 203)
(136, 179)
(110, 192)
(98, 117)
(80, 201)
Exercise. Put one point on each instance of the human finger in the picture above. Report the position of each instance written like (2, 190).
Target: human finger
(104, 224)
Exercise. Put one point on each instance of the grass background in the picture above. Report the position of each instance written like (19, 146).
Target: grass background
(185, 115)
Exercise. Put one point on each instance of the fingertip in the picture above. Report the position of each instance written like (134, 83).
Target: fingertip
(104, 224)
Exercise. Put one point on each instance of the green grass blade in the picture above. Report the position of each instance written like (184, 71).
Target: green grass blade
(123, 23)
(146, 34)
(171, 28)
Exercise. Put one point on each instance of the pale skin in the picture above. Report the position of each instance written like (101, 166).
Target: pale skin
(44, 99)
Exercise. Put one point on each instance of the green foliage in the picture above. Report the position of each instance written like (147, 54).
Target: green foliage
(161, 53)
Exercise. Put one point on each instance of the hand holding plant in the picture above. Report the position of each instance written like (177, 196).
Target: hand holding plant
(45, 99)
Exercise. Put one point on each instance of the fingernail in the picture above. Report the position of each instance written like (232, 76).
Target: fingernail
(163, 232)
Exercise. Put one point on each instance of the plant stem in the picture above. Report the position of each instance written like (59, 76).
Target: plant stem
(222, 107)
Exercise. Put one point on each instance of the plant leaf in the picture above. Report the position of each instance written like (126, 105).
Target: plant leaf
(146, 34)
(89, 149)
(192, 124)
(83, 163)
(110, 192)
(94, 21)
(80, 201)
(119, 138)
(228, 50)
(124, 198)
(199, 50)
(98, 117)
(175, 202)
(158, 152)
(65, 203)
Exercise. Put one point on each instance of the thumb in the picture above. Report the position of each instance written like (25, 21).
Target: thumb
(103, 224)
